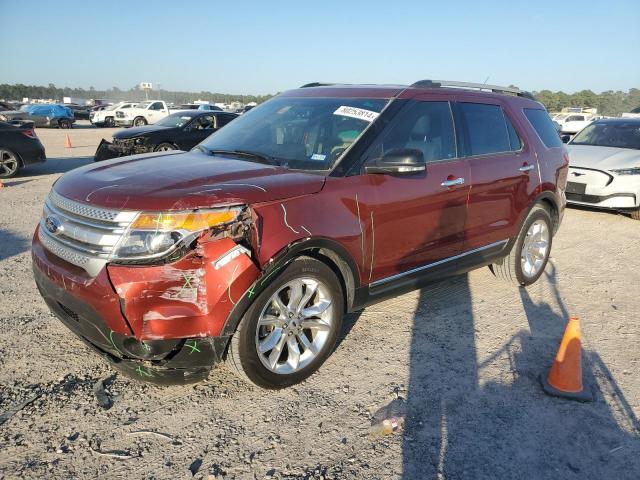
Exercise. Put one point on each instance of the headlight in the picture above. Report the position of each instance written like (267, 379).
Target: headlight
(152, 236)
(627, 171)
(139, 140)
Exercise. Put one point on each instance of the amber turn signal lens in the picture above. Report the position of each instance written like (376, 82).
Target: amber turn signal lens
(189, 221)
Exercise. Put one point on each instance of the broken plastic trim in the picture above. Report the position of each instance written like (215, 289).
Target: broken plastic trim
(232, 254)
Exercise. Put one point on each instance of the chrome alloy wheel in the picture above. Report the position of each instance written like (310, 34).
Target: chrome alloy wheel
(535, 248)
(8, 164)
(294, 325)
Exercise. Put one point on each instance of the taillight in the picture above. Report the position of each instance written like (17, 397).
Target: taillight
(29, 133)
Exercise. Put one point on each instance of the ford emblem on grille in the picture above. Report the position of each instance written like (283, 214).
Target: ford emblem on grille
(53, 225)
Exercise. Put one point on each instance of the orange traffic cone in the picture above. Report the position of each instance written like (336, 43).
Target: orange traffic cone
(67, 142)
(1, 184)
(565, 375)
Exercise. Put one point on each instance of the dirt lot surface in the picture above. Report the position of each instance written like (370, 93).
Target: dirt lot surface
(464, 354)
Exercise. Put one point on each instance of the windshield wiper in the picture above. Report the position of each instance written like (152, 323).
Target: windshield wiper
(261, 158)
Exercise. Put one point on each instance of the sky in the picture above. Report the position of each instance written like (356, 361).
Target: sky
(261, 47)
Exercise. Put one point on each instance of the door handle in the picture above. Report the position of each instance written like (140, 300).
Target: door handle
(526, 168)
(451, 183)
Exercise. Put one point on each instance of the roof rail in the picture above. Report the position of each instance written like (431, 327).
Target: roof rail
(477, 86)
(316, 84)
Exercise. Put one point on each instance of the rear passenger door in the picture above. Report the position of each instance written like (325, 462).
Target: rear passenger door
(504, 170)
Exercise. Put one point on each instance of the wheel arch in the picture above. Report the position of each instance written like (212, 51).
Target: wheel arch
(328, 251)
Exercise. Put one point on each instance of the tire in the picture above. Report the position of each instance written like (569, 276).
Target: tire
(164, 147)
(9, 163)
(284, 328)
(635, 214)
(515, 268)
(139, 122)
(64, 124)
(109, 122)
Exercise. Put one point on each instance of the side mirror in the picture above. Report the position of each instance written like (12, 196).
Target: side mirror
(565, 138)
(399, 161)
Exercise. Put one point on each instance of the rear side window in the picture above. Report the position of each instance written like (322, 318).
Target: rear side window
(486, 129)
(424, 126)
(543, 126)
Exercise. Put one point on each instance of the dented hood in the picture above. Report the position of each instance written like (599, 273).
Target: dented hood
(179, 180)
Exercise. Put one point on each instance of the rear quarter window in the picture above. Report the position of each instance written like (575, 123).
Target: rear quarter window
(542, 124)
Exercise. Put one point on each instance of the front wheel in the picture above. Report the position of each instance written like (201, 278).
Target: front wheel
(291, 328)
(109, 122)
(64, 124)
(165, 147)
(528, 257)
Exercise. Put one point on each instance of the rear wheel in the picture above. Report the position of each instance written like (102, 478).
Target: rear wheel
(139, 122)
(64, 124)
(9, 163)
(528, 257)
(164, 147)
(291, 328)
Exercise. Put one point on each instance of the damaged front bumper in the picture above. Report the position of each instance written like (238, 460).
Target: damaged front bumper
(107, 150)
(162, 324)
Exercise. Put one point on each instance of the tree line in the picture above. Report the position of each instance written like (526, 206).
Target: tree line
(611, 103)
(19, 91)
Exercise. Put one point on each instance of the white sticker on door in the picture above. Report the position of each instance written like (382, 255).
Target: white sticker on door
(359, 113)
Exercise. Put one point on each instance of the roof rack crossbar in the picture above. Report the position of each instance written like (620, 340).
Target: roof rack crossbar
(477, 86)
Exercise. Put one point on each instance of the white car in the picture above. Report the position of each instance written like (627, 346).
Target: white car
(107, 117)
(572, 123)
(604, 166)
(144, 113)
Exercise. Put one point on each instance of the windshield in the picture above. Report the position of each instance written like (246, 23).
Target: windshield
(618, 134)
(299, 133)
(175, 120)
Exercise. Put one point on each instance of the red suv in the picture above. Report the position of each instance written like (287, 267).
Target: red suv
(321, 201)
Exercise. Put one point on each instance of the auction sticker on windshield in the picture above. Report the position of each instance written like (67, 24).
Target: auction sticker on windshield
(359, 113)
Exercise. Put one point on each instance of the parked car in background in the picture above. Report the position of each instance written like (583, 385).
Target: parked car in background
(635, 113)
(605, 166)
(6, 106)
(572, 123)
(107, 116)
(44, 115)
(80, 112)
(179, 131)
(252, 246)
(19, 147)
(144, 113)
(196, 106)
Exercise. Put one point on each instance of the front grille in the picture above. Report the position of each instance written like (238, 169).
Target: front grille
(81, 234)
(581, 197)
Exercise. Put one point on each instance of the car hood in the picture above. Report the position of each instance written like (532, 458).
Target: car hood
(602, 158)
(138, 131)
(182, 181)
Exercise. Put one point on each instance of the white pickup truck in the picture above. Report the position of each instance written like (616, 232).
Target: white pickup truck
(145, 113)
(107, 117)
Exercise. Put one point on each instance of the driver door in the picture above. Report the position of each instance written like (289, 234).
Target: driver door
(417, 219)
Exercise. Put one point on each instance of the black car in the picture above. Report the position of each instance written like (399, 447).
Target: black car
(19, 147)
(80, 112)
(178, 131)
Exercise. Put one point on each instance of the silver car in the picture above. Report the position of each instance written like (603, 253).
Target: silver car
(604, 168)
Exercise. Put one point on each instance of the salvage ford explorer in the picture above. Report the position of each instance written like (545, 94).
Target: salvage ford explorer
(251, 247)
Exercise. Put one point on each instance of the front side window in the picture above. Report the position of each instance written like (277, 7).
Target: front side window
(423, 126)
(486, 129)
(156, 106)
(610, 134)
(300, 133)
(542, 124)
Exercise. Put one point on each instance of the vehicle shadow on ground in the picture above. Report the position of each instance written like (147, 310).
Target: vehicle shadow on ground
(54, 165)
(457, 428)
(11, 244)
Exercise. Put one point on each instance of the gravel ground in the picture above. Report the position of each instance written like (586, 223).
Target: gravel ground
(464, 355)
